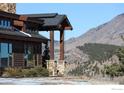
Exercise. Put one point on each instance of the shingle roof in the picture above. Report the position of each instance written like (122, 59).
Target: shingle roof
(55, 21)
(18, 33)
(14, 33)
(52, 21)
(48, 15)
(36, 35)
(45, 22)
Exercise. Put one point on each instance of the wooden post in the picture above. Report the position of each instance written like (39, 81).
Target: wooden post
(23, 18)
(62, 45)
(39, 55)
(24, 27)
(51, 45)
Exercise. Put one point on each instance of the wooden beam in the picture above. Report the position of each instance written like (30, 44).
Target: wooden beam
(68, 28)
(51, 45)
(24, 27)
(23, 18)
(18, 23)
(62, 45)
(34, 20)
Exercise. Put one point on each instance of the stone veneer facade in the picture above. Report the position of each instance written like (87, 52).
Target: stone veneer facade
(56, 68)
(8, 7)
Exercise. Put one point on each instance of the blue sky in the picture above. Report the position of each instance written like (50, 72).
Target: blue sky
(82, 16)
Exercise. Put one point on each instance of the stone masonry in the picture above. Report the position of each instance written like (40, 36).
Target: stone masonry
(8, 7)
(56, 68)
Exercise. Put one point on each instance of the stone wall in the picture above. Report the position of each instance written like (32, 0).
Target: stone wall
(8, 7)
(56, 68)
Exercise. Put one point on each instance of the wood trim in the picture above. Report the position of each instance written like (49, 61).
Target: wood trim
(18, 23)
(18, 60)
(51, 45)
(62, 45)
(68, 28)
(23, 18)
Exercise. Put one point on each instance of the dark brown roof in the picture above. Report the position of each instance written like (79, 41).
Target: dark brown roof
(47, 22)
(24, 35)
(52, 21)
(47, 15)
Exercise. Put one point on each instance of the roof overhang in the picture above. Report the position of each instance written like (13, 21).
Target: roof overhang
(22, 36)
(46, 22)
(52, 21)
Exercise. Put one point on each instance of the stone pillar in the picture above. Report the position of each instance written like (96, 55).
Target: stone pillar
(8, 7)
(51, 66)
(60, 68)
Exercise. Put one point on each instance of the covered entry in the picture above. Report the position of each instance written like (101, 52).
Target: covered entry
(19, 35)
(54, 22)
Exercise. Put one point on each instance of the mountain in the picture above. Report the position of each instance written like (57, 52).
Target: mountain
(108, 33)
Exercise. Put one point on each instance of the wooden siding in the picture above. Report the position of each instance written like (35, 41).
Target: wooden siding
(18, 54)
(18, 60)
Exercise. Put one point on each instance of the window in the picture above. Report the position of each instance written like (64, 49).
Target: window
(29, 60)
(5, 24)
(1, 23)
(5, 54)
(9, 24)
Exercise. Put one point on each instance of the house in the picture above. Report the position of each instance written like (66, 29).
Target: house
(21, 45)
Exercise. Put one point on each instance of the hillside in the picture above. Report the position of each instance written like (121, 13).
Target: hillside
(107, 33)
(99, 52)
(101, 57)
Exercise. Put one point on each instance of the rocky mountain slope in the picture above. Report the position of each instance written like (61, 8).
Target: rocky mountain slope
(108, 33)
(105, 36)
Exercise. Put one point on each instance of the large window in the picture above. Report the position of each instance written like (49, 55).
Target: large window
(5, 54)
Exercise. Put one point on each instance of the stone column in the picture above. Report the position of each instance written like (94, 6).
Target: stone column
(8, 7)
